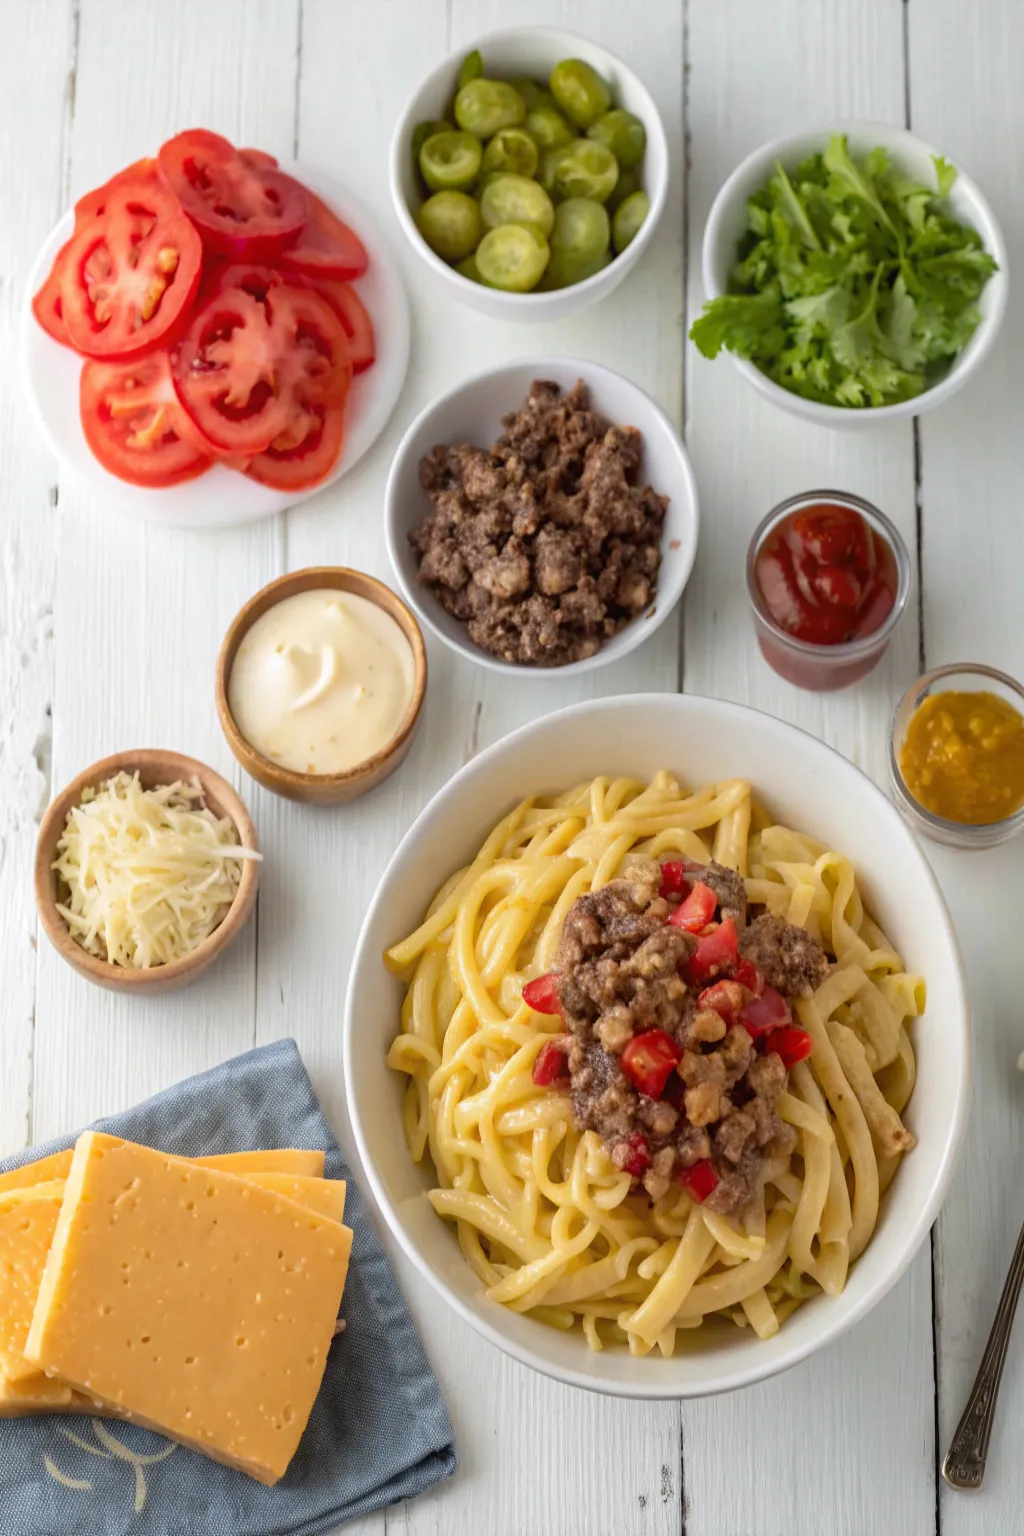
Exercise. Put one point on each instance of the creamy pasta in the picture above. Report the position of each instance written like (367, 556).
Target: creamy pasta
(549, 1223)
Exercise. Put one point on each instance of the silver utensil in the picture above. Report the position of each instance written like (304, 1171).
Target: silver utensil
(964, 1466)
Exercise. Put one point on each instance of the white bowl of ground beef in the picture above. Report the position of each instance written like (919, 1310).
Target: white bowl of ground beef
(803, 784)
(563, 551)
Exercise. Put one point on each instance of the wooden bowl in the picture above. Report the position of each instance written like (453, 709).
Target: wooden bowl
(322, 788)
(154, 767)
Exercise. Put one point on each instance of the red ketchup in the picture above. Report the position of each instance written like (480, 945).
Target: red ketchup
(826, 577)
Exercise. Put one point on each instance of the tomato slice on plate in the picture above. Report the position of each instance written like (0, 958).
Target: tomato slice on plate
(134, 422)
(254, 369)
(306, 464)
(240, 207)
(129, 272)
(258, 158)
(258, 280)
(326, 246)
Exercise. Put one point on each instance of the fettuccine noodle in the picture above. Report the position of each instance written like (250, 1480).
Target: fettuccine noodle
(543, 1216)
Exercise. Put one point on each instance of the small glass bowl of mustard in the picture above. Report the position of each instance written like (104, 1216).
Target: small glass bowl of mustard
(956, 756)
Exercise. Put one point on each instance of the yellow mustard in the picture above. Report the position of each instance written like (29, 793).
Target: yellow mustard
(963, 757)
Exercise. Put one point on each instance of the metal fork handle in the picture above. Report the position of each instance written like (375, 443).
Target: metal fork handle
(964, 1466)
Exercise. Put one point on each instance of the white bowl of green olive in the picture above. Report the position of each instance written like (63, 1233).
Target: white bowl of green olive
(529, 173)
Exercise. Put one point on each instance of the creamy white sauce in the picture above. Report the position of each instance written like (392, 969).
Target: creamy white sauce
(321, 681)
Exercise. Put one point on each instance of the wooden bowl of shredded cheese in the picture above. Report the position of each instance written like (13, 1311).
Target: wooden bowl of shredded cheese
(147, 866)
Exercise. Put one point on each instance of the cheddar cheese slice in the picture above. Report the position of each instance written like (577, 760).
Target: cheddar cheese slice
(325, 1196)
(56, 1166)
(28, 1218)
(274, 1160)
(190, 1301)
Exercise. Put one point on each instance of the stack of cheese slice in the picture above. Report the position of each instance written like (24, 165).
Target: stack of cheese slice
(197, 1297)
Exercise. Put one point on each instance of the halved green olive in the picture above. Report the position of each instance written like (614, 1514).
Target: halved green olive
(472, 68)
(513, 257)
(424, 131)
(622, 133)
(450, 224)
(533, 94)
(550, 129)
(484, 106)
(581, 229)
(565, 270)
(511, 149)
(450, 160)
(509, 199)
(628, 218)
(581, 169)
(580, 92)
(628, 182)
(468, 268)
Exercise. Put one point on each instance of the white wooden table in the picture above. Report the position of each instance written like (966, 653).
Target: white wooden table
(109, 630)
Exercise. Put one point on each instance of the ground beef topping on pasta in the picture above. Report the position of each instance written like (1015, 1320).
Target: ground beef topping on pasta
(671, 1059)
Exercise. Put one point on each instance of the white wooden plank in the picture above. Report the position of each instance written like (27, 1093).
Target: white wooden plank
(139, 611)
(33, 74)
(965, 98)
(836, 1446)
(348, 105)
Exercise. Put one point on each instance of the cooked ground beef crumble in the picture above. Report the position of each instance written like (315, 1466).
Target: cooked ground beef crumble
(620, 965)
(545, 545)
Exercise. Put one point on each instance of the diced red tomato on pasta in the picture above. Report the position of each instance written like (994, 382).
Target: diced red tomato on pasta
(673, 878)
(648, 1061)
(634, 1155)
(717, 955)
(700, 1180)
(541, 994)
(696, 910)
(551, 1067)
(723, 997)
(748, 975)
(791, 1044)
(766, 1015)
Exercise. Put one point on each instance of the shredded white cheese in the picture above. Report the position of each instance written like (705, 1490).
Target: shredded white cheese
(149, 873)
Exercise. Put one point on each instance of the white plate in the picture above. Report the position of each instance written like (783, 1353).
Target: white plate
(222, 496)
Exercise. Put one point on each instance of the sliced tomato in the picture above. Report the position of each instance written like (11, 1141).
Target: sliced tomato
(717, 954)
(258, 158)
(673, 878)
(791, 1044)
(696, 910)
(129, 272)
(552, 1064)
(259, 278)
(748, 975)
(306, 464)
(724, 998)
(633, 1155)
(327, 246)
(239, 206)
(541, 994)
(134, 422)
(700, 1180)
(251, 368)
(766, 1014)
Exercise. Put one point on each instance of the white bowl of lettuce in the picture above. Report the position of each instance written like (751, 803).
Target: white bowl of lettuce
(853, 274)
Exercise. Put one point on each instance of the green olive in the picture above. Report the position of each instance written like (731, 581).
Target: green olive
(450, 224)
(512, 199)
(580, 169)
(468, 268)
(511, 149)
(512, 257)
(622, 133)
(550, 129)
(580, 92)
(450, 160)
(565, 270)
(424, 131)
(472, 68)
(484, 106)
(628, 218)
(628, 182)
(581, 230)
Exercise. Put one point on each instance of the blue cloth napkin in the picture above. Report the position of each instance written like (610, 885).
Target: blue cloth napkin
(379, 1431)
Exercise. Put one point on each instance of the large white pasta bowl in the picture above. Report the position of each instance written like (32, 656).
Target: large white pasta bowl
(805, 785)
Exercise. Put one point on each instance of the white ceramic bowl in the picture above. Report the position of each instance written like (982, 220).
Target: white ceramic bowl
(532, 51)
(222, 497)
(803, 783)
(727, 222)
(471, 413)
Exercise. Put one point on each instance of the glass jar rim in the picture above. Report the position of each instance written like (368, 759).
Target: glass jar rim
(848, 650)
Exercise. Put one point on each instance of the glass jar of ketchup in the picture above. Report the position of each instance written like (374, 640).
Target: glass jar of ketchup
(828, 578)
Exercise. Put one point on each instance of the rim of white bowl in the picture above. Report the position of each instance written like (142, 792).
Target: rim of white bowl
(638, 630)
(732, 1377)
(968, 361)
(535, 302)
